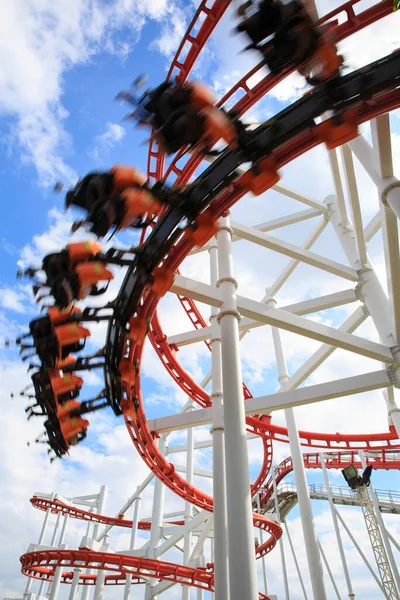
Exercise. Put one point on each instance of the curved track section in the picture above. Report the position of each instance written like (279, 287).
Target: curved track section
(350, 24)
(292, 133)
(57, 506)
(363, 95)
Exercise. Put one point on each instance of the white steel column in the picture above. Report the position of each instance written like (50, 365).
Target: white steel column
(44, 526)
(135, 522)
(393, 409)
(156, 520)
(295, 560)
(281, 546)
(74, 585)
(336, 526)
(99, 509)
(86, 590)
(55, 585)
(329, 570)
(187, 542)
(262, 541)
(372, 294)
(241, 550)
(221, 571)
(53, 543)
(306, 514)
(382, 527)
(101, 574)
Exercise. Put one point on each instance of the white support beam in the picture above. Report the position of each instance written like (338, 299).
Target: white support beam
(286, 399)
(324, 351)
(300, 198)
(372, 227)
(382, 144)
(197, 472)
(300, 308)
(296, 217)
(382, 148)
(293, 264)
(203, 444)
(284, 320)
(334, 164)
(182, 529)
(310, 258)
(352, 192)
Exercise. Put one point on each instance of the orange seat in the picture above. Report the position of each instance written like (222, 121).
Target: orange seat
(89, 274)
(57, 317)
(138, 202)
(66, 362)
(71, 427)
(65, 383)
(124, 177)
(81, 251)
(71, 333)
(64, 410)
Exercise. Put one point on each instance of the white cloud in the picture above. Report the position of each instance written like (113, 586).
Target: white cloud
(172, 32)
(109, 139)
(42, 40)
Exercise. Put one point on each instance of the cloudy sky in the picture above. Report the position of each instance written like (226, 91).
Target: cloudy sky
(61, 65)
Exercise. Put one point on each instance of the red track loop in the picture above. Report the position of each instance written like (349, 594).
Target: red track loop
(42, 565)
(135, 419)
(56, 506)
(350, 25)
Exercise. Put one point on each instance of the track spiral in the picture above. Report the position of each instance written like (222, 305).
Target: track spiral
(361, 96)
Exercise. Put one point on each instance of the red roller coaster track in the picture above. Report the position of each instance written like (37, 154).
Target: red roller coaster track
(42, 564)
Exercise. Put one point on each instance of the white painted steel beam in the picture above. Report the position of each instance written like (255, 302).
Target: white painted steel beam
(334, 164)
(180, 531)
(293, 264)
(300, 308)
(372, 228)
(310, 258)
(282, 189)
(352, 191)
(284, 320)
(291, 398)
(291, 219)
(197, 472)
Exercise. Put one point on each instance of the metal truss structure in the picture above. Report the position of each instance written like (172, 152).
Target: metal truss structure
(212, 559)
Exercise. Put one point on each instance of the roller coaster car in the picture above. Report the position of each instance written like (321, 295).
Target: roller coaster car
(53, 390)
(62, 262)
(296, 42)
(185, 115)
(80, 283)
(122, 201)
(127, 209)
(43, 326)
(65, 340)
(98, 187)
(64, 434)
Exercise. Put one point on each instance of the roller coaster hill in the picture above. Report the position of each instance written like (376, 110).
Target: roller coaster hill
(181, 212)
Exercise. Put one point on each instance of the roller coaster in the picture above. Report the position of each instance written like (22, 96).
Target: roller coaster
(182, 211)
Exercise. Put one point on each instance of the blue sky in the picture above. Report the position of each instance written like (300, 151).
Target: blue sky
(61, 65)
